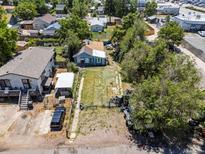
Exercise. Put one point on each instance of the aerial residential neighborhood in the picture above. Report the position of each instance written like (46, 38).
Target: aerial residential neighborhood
(102, 76)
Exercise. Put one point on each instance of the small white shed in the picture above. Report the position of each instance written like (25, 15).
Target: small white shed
(64, 84)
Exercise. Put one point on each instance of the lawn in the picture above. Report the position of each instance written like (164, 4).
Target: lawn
(59, 57)
(103, 36)
(100, 84)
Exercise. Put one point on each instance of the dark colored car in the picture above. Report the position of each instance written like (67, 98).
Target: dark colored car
(58, 119)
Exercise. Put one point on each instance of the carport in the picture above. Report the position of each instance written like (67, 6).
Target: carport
(64, 84)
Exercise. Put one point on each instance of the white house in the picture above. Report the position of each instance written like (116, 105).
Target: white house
(101, 10)
(168, 8)
(43, 21)
(64, 84)
(98, 24)
(190, 22)
(29, 70)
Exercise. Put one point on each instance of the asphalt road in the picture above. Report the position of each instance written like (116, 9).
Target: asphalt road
(119, 149)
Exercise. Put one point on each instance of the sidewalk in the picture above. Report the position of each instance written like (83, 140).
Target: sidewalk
(76, 115)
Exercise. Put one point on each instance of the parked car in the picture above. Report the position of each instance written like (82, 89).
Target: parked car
(58, 118)
(201, 33)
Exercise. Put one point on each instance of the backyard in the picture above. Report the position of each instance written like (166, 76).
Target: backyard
(100, 84)
(59, 51)
(103, 36)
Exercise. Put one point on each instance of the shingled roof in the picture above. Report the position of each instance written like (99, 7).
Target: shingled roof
(93, 48)
(48, 18)
(30, 63)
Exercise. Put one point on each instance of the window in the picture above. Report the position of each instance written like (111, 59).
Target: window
(98, 60)
(26, 83)
(87, 60)
(5, 83)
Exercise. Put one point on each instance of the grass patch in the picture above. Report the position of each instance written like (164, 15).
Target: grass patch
(195, 9)
(100, 84)
(59, 57)
(103, 36)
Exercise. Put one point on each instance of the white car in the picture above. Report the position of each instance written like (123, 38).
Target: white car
(201, 33)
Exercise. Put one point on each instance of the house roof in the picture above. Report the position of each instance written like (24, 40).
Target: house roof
(94, 49)
(98, 21)
(60, 7)
(25, 32)
(101, 8)
(96, 45)
(65, 80)
(48, 18)
(54, 26)
(30, 62)
(21, 43)
(26, 22)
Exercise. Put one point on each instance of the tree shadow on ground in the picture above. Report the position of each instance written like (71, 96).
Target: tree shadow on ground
(168, 142)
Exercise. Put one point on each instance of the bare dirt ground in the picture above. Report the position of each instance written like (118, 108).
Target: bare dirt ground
(102, 126)
(27, 129)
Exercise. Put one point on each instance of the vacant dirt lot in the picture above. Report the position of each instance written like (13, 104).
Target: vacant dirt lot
(102, 126)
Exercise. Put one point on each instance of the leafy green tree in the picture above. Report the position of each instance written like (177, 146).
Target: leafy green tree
(1, 13)
(168, 100)
(150, 8)
(121, 8)
(75, 24)
(72, 44)
(129, 20)
(26, 10)
(8, 38)
(172, 33)
(80, 8)
(110, 7)
(133, 34)
(118, 34)
(41, 6)
(144, 61)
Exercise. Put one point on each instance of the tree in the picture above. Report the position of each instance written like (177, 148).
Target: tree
(26, 10)
(80, 8)
(172, 33)
(75, 24)
(110, 7)
(169, 99)
(144, 61)
(150, 8)
(72, 44)
(129, 20)
(1, 13)
(41, 6)
(135, 33)
(121, 8)
(8, 38)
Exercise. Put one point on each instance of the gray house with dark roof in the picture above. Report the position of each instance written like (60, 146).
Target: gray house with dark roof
(43, 21)
(30, 70)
